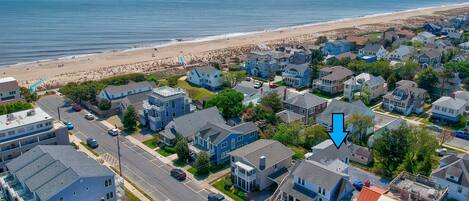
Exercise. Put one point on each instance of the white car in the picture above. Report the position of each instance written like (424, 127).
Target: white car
(113, 131)
(89, 116)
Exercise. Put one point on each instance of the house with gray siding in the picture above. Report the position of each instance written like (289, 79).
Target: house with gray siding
(297, 75)
(115, 92)
(348, 109)
(405, 99)
(331, 79)
(163, 105)
(374, 85)
(207, 76)
(307, 105)
(59, 173)
(256, 166)
(9, 89)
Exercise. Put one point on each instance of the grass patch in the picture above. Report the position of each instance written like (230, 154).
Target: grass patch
(299, 152)
(280, 83)
(179, 163)
(129, 196)
(192, 170)
(152, 143)
(167, 151)
(324, 94)
(89, 148)
(235, 195)
(194, 92)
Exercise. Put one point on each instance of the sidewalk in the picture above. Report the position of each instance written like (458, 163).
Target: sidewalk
(127, 184)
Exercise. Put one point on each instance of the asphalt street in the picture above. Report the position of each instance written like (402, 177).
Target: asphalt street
(142, 168)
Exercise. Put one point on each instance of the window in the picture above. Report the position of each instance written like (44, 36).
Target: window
(61, 199)
(223, 145)
(240, 138)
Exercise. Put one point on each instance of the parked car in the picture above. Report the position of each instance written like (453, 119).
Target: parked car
(248, 79)
(89, 116)
(69, 125)
(434, 127)
(91, 142)
(113, 131)
(442, 151)
(273, 86)
(215, 197)
(462, 134)
(358, 185)
(258, 85)
(178, 174)
(77, 108)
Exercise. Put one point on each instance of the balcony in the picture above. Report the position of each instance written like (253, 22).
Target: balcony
(15, 189)
(244, 171)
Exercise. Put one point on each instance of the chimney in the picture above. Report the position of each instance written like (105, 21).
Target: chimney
(453, 95)
(367, 183)
(285, 94)
(262, 162)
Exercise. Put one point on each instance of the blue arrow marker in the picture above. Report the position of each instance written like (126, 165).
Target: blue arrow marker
(338, 133)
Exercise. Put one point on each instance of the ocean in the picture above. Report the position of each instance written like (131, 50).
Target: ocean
(32, 30)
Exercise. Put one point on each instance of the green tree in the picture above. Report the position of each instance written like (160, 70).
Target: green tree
(173, 81)
(427, 79)
(408, 70)
(390, 150)
(202, 164)
(461, 67)
(466, 83)
(360, 124)
(462, 121)
(273, 101)
(391, 82)
(316, 57)
(27, 95)
(16, 106)
(232, 78)
(130, 119)
(421, 152)
(320, 40)
(365, 95)
(313, 135)
(287, 133)
(260, 113)
(182, 150)
(104, 104)
(228, 101)
(445, 76)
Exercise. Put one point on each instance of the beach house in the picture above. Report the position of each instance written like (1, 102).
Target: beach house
(163, 105)
(430, 57)
(432, 28)
(9, 89)
(297, 75)
(259, 165)
(373, 50)
(402, 53)
(424, 37)
(453, 173)
(448, 109)
(337, 47)
(59, 172)
(207, 76)
(331, 79)
(220, 139)
(348, 109)
(307, 105)
(115, 92)
(264, 64)
(405, 99)
(366, 84)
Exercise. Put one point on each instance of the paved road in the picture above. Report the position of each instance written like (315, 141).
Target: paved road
(143, 169)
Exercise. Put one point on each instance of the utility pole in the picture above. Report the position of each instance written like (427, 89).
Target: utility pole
(119, 152)
(58, 112)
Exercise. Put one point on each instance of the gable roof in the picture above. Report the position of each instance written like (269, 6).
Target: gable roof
(113, 89)
(48, 169)
(306, 100)
(273, 150)
(337, 106)
(404, 50)
(336, 73)
(432, 53)
(205, 70)
(458, 166)
(318, 174)
(216, 133)
(297, 67)
(187, 125)
(326, 152)
(288, 116)
(374, 48)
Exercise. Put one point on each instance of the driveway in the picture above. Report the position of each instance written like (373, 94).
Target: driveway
(361, 175)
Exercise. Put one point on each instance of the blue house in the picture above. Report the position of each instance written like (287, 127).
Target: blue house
(297, 76)
(337, 47)
(207, 76)
(163, 105)
(432, 28)
(220, 139)
(263, 64)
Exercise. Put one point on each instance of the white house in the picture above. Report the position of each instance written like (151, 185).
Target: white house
(403, 53)
(113, 92)
(463, 95)
(9, 89)
(464, 46)
(375, 85)
(208, 77)
(425, 37)
(454, 174)
(448, 109)
(373, 50)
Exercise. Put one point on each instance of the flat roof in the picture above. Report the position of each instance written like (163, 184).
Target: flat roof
(168, 91)
(7, 79)
(22, 118)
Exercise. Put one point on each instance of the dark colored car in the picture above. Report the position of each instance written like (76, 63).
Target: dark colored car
(91, 142)
(178, 174)
(77, 108)
(273, 86)
(215, 197)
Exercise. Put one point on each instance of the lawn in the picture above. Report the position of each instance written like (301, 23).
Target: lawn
(299, 152)
(129, 196)
(167, 151)
(179, 163)
(152, 143)
(213, 169)
(194, 92)
(220, 185)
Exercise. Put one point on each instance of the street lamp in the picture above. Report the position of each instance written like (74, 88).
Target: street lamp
(119, 152)
(58, 112)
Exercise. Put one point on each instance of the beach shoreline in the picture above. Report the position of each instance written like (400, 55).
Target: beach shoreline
(79, 68)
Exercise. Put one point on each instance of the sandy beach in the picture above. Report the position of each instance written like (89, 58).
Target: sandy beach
(60, 71)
